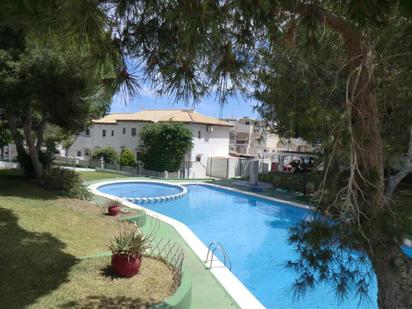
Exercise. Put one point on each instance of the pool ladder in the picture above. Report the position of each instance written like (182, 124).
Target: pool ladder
(213, 246)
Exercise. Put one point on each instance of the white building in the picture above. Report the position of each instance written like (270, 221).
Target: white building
(253, 137)
(121, 130)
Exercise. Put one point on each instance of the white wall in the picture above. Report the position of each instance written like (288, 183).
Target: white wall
(7, 165)
(215, 143)
(211, 144)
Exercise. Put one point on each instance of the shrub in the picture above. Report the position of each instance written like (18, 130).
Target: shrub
(66, 182)
(45, 158)
(165, 145)
(108, 154)
(301, 182)
(127, 158)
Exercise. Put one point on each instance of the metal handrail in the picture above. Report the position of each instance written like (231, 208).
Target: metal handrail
(211, 251)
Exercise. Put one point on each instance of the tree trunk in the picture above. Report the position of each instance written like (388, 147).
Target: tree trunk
(18, 140)
(40, 133)
(394, 274)
(366, 135)
(393, 269)
(34, 154)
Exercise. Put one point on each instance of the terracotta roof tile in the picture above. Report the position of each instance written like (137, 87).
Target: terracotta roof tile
(162, 115)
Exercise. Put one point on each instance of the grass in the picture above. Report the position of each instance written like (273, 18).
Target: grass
(42, 239)
(93, 176)
(107, 290)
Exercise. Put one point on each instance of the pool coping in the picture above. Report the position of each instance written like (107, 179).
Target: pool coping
(153, 199)
(233, 286)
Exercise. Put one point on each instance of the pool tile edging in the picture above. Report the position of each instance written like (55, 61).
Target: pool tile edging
(233, 286)
(265, 197)
(150, 199)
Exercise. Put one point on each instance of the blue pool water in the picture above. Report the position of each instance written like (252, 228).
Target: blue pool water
(140, 189)
(254, 233)
(407, 250)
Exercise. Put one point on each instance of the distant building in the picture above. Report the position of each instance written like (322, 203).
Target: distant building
(251, 137)
(122, 130)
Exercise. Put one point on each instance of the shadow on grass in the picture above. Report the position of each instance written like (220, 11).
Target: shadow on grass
(105, 302)
(108, 272)
(13, 183)
(31, 264)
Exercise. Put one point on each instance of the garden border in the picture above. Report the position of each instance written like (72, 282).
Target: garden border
(182, 297)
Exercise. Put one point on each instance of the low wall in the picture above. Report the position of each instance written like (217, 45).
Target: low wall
(7, 165)
(182, 298)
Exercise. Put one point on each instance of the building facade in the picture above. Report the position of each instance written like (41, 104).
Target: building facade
(251, 137)
(122, 130)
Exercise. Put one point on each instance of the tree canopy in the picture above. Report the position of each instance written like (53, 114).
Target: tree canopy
(127, 158)
(45, 83)
(165, 145)
(337, 71)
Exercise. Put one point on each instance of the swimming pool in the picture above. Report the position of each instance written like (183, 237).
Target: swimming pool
(141, 189)
(254, 233)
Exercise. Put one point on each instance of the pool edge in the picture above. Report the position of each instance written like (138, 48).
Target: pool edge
(233, 286)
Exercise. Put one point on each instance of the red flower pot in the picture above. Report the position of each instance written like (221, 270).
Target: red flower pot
(113, 210)
(126, 266)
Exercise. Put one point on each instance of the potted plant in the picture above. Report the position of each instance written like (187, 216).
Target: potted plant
(127, 252)
(114, 209)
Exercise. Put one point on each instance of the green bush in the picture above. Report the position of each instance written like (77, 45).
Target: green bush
(301, 182)
(127, 158)
(108, 154)
(165, 145)
(66, 182)
(45, 158)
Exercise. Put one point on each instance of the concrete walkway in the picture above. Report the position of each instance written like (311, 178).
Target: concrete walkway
(206, 290)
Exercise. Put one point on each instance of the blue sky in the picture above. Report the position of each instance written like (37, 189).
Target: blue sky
(236, 107)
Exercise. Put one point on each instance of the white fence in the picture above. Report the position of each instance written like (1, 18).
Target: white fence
(234, 167)
(215, 167)
(7, 165)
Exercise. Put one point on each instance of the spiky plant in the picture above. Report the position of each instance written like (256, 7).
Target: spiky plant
(131, 243)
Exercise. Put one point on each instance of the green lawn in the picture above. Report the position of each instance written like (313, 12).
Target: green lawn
(94, 176)
(43, 237)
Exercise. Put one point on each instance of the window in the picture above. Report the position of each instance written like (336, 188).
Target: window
(133, 131)
(79, 153)
(87, 132)
(198, 157)
(199, 134)
(104, 133)
(87, 152)
(232, 137)
(124, 130)
(112, 132)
